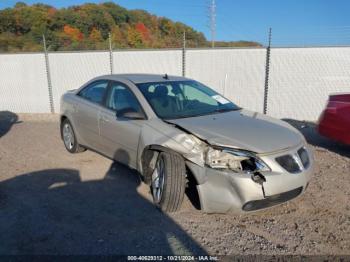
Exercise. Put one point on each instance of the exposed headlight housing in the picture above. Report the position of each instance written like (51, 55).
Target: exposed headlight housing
(195, 147)
(235, 160)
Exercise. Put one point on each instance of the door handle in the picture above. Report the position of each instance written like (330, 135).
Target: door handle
(104, 118)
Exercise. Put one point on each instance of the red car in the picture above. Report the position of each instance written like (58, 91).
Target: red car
(334, 121)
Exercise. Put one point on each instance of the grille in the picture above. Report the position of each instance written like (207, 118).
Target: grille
(272, 200)
(289, 163)
(304, 157)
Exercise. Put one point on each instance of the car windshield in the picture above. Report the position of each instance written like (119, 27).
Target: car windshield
(181, 99)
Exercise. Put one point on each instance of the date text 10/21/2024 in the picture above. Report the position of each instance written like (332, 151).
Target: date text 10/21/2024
(172, 258)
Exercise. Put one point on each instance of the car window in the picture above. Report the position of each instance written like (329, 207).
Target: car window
(180, 99)
(191, 93)
(152, 88)
(121, 99)
(95, 92)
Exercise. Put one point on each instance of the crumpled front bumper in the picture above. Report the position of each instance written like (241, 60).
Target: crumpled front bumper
(222, 191)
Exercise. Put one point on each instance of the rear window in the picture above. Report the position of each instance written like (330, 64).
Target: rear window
(94, 92)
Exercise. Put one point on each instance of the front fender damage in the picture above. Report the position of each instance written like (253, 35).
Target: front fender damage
(218, 190)
(157, 136)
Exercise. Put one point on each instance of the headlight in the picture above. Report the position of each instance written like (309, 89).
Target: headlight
(195, 148)
(192, 143)
(236, 160)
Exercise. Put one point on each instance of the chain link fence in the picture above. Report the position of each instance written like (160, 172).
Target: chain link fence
(283, 82)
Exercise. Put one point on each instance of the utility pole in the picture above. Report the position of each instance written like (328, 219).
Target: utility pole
(267, 71)
(212, 21)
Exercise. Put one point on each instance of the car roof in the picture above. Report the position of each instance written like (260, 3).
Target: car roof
(143, 78)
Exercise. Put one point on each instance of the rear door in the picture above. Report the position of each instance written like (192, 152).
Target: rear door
(120, 136)
(90, 101)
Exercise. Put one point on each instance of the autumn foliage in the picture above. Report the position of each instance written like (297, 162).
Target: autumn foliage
(73, 33)
(87, 27)
(143, 30)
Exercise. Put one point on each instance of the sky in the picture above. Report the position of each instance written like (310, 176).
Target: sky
(293, 22)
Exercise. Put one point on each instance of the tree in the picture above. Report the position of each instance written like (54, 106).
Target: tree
(87, 26)
(95, 35)
(118, 38)
(165, 26)
(119, 14)
(20, 5)
(143, 30)
(73, 33)
(7, 21)
(134, 38)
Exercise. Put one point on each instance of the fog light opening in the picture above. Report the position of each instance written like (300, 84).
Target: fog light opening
(257, 177)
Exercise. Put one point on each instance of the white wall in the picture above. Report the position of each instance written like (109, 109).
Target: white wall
(23, 83)
(153, 61)
(236, 73)
(72, 70)
(300, 78)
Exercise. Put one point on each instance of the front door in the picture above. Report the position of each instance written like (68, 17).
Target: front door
(119, 135)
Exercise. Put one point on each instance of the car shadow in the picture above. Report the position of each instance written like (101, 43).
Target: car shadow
(54, 212)
(7, 120)
(309, 130)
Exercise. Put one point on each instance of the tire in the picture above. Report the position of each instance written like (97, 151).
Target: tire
(71, 143)
(171, 172)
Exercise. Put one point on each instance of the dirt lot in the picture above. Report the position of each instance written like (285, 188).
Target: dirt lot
(52, 202)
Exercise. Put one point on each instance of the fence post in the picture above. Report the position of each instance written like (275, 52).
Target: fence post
(184, 54)
(48, 75)
(110, 53)
(224, 89)
(267, 72)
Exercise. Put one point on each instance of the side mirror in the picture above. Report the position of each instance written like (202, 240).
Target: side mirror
(132, 115)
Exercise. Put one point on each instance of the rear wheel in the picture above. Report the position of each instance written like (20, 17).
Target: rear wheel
(168, 182)
(69, 138)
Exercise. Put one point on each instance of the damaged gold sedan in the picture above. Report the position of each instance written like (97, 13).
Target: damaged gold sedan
(174, 130)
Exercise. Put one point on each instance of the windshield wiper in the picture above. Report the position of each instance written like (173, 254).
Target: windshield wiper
(222, 110)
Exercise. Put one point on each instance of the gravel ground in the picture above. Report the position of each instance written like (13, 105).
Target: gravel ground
(53, 202)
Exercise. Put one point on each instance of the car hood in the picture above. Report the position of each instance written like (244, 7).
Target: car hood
(242, 129)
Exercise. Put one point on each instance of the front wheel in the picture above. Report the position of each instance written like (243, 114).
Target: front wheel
(169, 182)
(69, 138)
